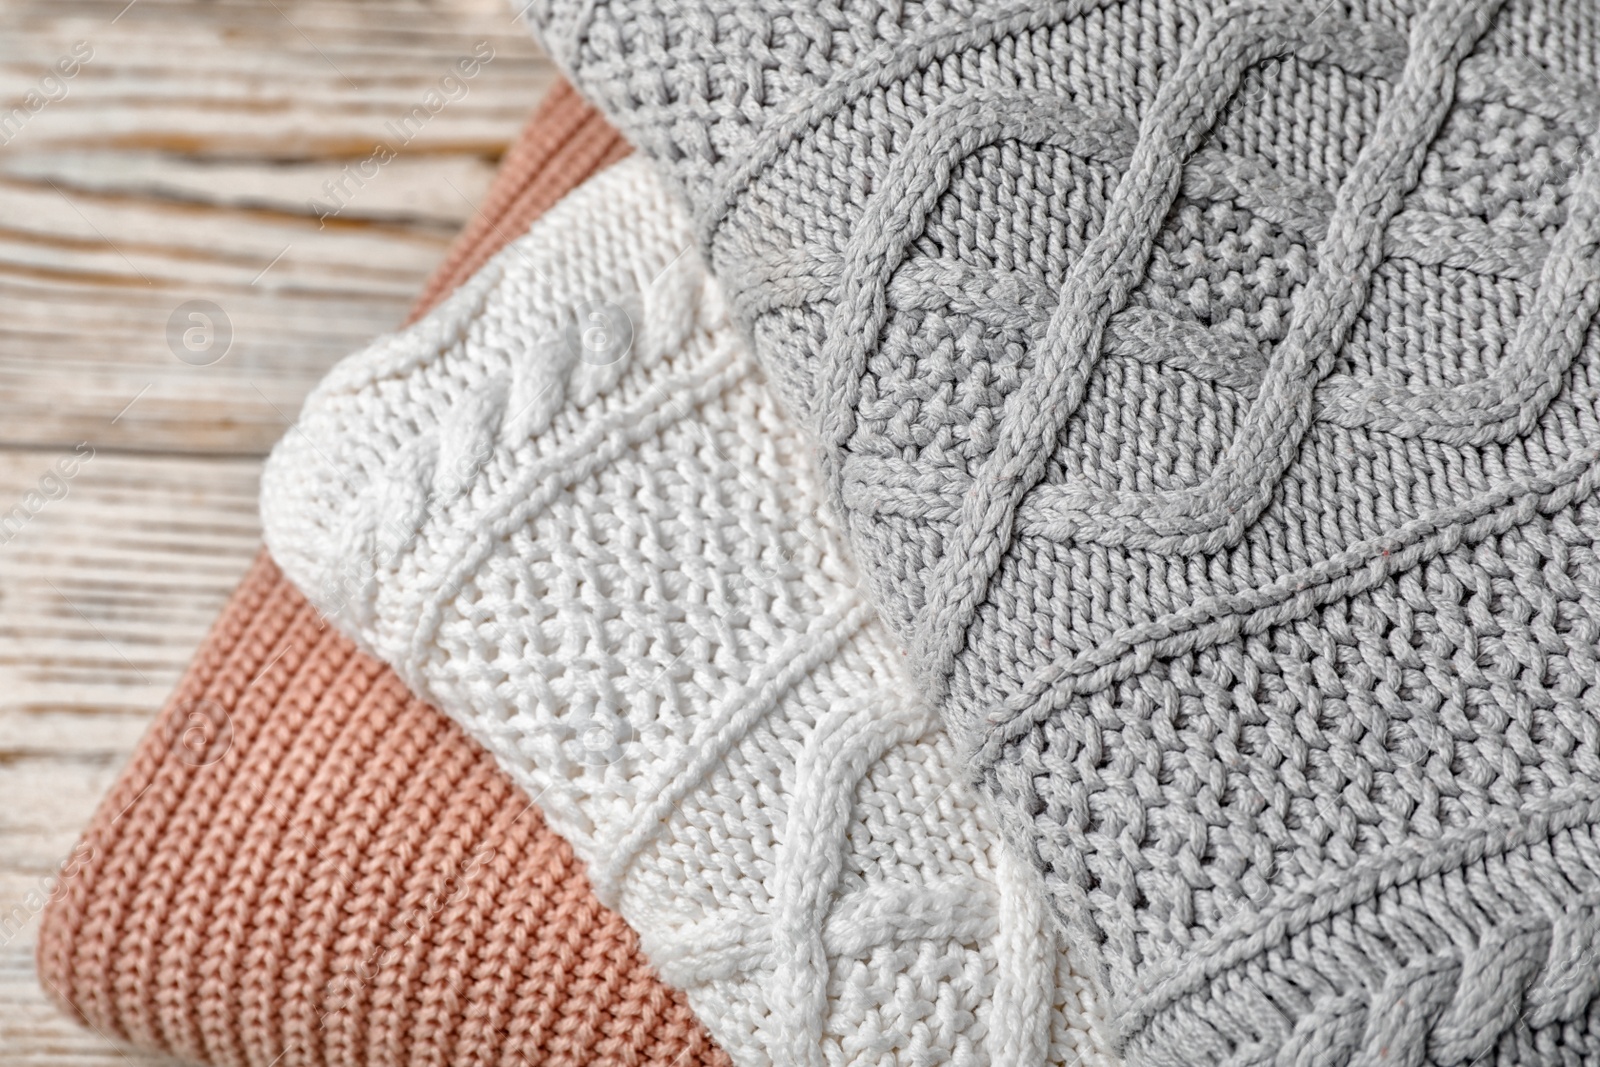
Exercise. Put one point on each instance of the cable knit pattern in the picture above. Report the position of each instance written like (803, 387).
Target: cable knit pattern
(306, 866)
(1211, 394)
(614, 573)
(303, 865)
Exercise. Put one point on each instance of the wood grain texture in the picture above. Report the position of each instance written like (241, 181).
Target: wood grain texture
(177, 164)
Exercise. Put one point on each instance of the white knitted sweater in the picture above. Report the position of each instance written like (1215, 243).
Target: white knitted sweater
(567, 510)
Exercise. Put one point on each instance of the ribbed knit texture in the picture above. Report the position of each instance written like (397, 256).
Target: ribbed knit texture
(567, 508)
(330, 872)
(564, 142)
(305, 865)
(1211, 391)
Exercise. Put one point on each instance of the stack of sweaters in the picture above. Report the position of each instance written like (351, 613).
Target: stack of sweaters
(1026, 533)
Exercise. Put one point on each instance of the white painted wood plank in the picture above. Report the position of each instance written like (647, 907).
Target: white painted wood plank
(107, 585)
(177, 165)
(179, 162)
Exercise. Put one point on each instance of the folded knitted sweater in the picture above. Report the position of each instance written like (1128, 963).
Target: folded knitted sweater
(1211, 395)
(567, 509)
(303, 865)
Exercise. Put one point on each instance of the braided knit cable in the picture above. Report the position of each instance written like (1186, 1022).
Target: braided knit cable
(1211, 395)
(303, 865)
(602, 553)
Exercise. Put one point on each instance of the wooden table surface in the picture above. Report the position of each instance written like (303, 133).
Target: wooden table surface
(177, 164)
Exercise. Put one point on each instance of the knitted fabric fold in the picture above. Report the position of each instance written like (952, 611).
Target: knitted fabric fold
(304, 864)
(566, 508)
(1210, 392)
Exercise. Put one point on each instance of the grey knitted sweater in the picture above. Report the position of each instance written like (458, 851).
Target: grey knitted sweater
(1212, 397)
